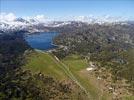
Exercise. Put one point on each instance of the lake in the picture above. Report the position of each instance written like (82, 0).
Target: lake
(42, 41)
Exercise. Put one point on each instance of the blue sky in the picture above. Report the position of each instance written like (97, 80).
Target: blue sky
(62, 8)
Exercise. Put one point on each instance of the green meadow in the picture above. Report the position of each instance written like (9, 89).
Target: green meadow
(45, 63)
(72, 67)
(78, 66)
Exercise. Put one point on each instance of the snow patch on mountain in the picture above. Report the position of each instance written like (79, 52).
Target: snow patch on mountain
(10, 22)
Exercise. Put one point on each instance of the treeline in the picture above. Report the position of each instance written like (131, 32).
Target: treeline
(12, 47)
(110, 45)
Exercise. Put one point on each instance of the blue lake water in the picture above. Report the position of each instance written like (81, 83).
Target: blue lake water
(42, 41)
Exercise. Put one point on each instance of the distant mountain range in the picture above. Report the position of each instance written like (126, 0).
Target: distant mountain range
(32, 25)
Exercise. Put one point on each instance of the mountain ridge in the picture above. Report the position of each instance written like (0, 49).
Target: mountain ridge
(11, 23)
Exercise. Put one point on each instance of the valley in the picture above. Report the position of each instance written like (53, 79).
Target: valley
(71, 68)
(74, 61)
(66, 50)
(86, 62)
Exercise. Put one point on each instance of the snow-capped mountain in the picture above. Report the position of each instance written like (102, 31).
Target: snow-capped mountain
(9, 22)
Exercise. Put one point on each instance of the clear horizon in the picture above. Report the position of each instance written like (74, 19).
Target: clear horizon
(66, 8)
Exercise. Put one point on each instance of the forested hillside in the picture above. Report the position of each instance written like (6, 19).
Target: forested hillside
(19, 84)
(111, 47)
(27, 74)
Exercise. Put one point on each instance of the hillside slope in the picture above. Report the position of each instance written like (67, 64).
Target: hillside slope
(69, 70)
